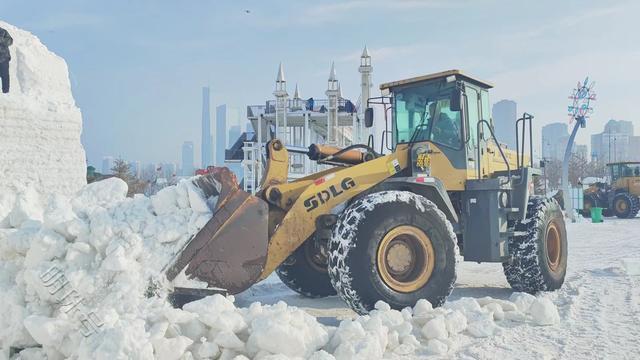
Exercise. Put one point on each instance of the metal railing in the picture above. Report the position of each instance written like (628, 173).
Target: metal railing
(320, 105)
(504, 158)
(520, 152)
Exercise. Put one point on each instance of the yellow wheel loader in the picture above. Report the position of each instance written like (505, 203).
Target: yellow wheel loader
(622, 197)
(392, 226)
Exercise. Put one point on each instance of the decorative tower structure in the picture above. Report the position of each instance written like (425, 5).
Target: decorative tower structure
(297, 100)
(365, 70)
(333, 92)
(281, 106)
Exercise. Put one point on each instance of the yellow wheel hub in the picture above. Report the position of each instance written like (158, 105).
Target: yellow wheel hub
(621, 205)
(554, 247)
(405, 258)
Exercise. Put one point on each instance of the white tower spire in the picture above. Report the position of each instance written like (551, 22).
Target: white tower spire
(332, 72)
(281, 105)
(296, 93)
(296, 99)
(365, 52)
(281, 83)
(280, 74)
(332, 83)
(333, 92)
(365, 70)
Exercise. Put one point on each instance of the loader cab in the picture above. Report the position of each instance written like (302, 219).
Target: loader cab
(437, 115)
(625, 175)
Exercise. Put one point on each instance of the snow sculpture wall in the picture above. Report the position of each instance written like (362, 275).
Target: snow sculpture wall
(40, 125)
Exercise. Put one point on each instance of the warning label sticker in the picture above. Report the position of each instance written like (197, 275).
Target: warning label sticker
(393, 166)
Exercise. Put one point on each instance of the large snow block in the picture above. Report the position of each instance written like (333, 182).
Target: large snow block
(40, 125)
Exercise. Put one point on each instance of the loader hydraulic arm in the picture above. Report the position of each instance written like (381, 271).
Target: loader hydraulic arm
(306, 199)
(248, 236)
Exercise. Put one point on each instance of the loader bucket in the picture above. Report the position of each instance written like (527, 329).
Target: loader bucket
(230, 251)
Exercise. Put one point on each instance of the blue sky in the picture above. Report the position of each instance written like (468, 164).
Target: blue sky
(137, 67)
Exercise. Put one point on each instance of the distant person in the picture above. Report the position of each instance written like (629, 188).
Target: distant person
(5, 56)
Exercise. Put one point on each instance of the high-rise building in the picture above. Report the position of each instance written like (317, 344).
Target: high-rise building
(616, 143)
(582, 151)
(149, 171)
(226, 118)
(555, 137)
(234, 133)
(504, 122)
(169, 170)
(135, 169)
(107, 164)
(206, 148)
(187, 159)
(634, 148)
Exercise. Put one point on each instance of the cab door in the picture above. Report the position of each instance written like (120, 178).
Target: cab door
(473, 139)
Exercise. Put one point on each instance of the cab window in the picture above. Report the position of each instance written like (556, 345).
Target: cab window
(424, 113)
(447, 126)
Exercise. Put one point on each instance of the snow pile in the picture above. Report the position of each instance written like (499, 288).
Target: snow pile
(424, 331)
(73, 266)
(82, 278)
(40, 125)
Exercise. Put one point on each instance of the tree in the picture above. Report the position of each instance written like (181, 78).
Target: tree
(121, 169)
(579, 168)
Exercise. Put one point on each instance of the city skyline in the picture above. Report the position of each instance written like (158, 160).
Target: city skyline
(187, 166)
(524, 53)
(207, 150)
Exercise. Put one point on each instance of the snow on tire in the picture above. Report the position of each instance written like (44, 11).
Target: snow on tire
(538, 258)
(364, 237)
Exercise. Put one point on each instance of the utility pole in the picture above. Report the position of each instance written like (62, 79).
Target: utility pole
(579, 111)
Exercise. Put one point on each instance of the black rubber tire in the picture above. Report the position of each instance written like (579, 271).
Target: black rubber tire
(353, 268)
(303, 277)
(633, 205)
(529, 271)
(592, 201)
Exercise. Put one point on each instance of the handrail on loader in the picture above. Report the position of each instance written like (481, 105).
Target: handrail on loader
(493, 136)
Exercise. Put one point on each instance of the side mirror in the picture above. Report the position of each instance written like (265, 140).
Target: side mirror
(456, 100)
(368, 117)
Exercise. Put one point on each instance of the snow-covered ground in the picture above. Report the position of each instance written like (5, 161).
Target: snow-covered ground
(599, 304)
(81, 278)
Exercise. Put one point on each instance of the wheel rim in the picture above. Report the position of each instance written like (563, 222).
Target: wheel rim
(554, 246)
(315, 258)
(621, 205)
(405, 258)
